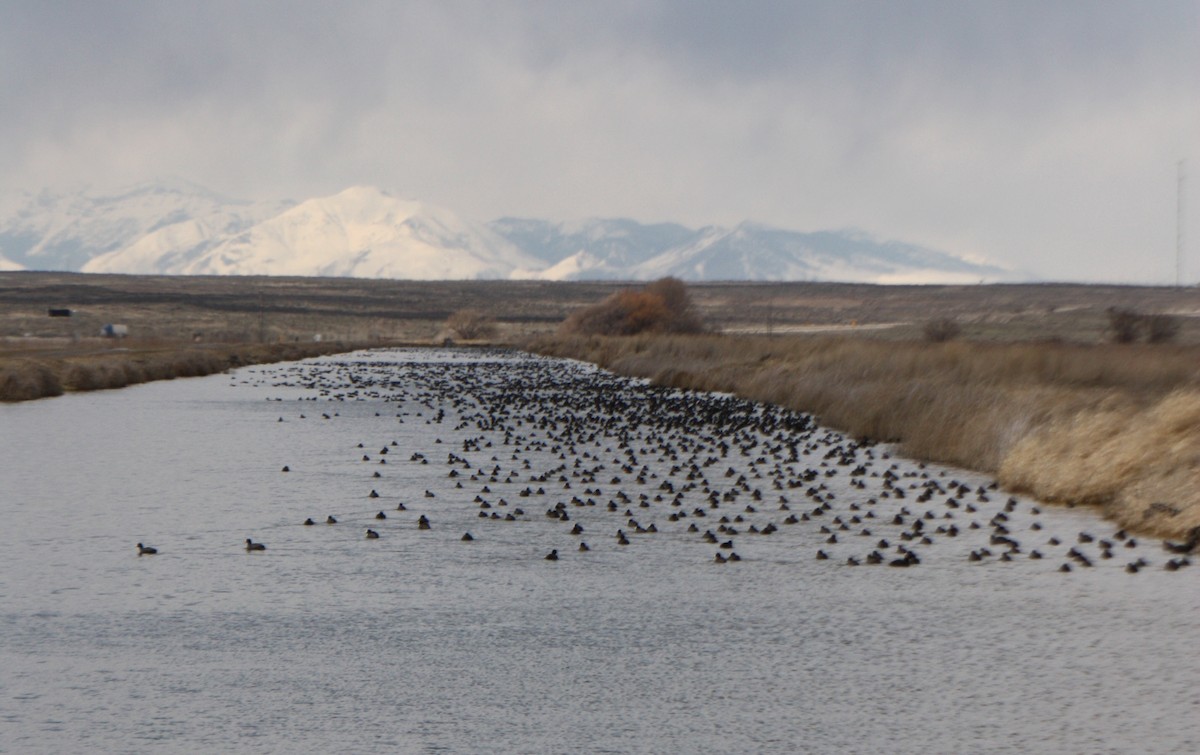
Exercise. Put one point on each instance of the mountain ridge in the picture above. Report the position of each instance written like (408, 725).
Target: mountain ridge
(177, 227)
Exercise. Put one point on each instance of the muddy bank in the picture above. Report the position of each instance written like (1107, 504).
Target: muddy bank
(1112, 426)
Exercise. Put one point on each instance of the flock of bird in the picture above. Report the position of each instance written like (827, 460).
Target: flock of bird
(604, 460)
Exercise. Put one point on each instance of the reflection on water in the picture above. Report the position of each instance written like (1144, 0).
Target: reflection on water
(420, 641)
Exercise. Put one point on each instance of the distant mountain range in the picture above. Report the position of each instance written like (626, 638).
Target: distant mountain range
(178, 228)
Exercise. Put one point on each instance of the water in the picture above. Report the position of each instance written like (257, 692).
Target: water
(420, 642)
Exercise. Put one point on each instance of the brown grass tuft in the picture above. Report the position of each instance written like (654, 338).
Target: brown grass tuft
(25, 379)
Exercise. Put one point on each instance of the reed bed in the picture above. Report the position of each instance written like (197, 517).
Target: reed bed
(1114, 426)
(24, 378)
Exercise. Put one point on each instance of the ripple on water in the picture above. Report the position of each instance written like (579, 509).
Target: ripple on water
(419, 641)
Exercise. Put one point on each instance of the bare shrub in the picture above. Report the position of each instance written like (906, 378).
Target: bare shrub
(1161, 328)
(681, 316)
(664, 306)
(942, 329)
(1124, 325)
(471, 325)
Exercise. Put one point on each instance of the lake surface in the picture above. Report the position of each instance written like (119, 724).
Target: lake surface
(418, 641)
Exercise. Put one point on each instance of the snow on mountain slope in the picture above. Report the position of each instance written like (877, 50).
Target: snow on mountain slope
(50, 231)
(591, 249)
(170, 248)
(627, 250)
(174, 227)
(756, 252)
(364, 232)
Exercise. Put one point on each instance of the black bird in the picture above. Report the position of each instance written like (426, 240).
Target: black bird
(552, 555)
(146, 550)
(372, 534)
(1185, 547)
(253, 546)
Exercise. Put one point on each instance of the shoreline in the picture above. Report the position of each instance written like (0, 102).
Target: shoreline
(33, 374)
(1116, 427)
(1055, 426)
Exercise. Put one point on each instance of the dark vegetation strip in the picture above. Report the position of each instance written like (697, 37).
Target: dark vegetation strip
(24, 378)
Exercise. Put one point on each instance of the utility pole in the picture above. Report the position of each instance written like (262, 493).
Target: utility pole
(1179, 226)
(262, 319)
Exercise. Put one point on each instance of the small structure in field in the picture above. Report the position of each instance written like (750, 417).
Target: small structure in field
(57, 312)
(113, 330)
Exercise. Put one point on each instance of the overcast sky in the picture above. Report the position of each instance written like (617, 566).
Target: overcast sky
(1041, 135)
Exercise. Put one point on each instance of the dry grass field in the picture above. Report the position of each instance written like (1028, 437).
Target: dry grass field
(1029, 390)
(257, 309)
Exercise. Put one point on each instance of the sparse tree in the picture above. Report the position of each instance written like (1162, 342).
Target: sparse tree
(1124, 325)
(942, 329)
(471, 325)
(1161, 328)
(681, 316)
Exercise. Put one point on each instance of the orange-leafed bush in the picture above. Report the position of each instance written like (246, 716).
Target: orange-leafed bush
(663, 306)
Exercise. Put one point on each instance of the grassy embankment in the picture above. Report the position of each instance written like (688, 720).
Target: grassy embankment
(26, 375)
(1116, 426)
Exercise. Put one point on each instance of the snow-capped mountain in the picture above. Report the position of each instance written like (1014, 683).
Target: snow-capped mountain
(361, 232)
(49, 231)
(174, 227)
(626, 250)
(761, 253)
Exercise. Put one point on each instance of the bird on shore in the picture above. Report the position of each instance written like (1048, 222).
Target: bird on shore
(146, 550)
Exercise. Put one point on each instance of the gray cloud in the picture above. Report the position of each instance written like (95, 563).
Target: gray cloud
(1040, 135)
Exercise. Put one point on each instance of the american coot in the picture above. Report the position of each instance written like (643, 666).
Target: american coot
(253, 546)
